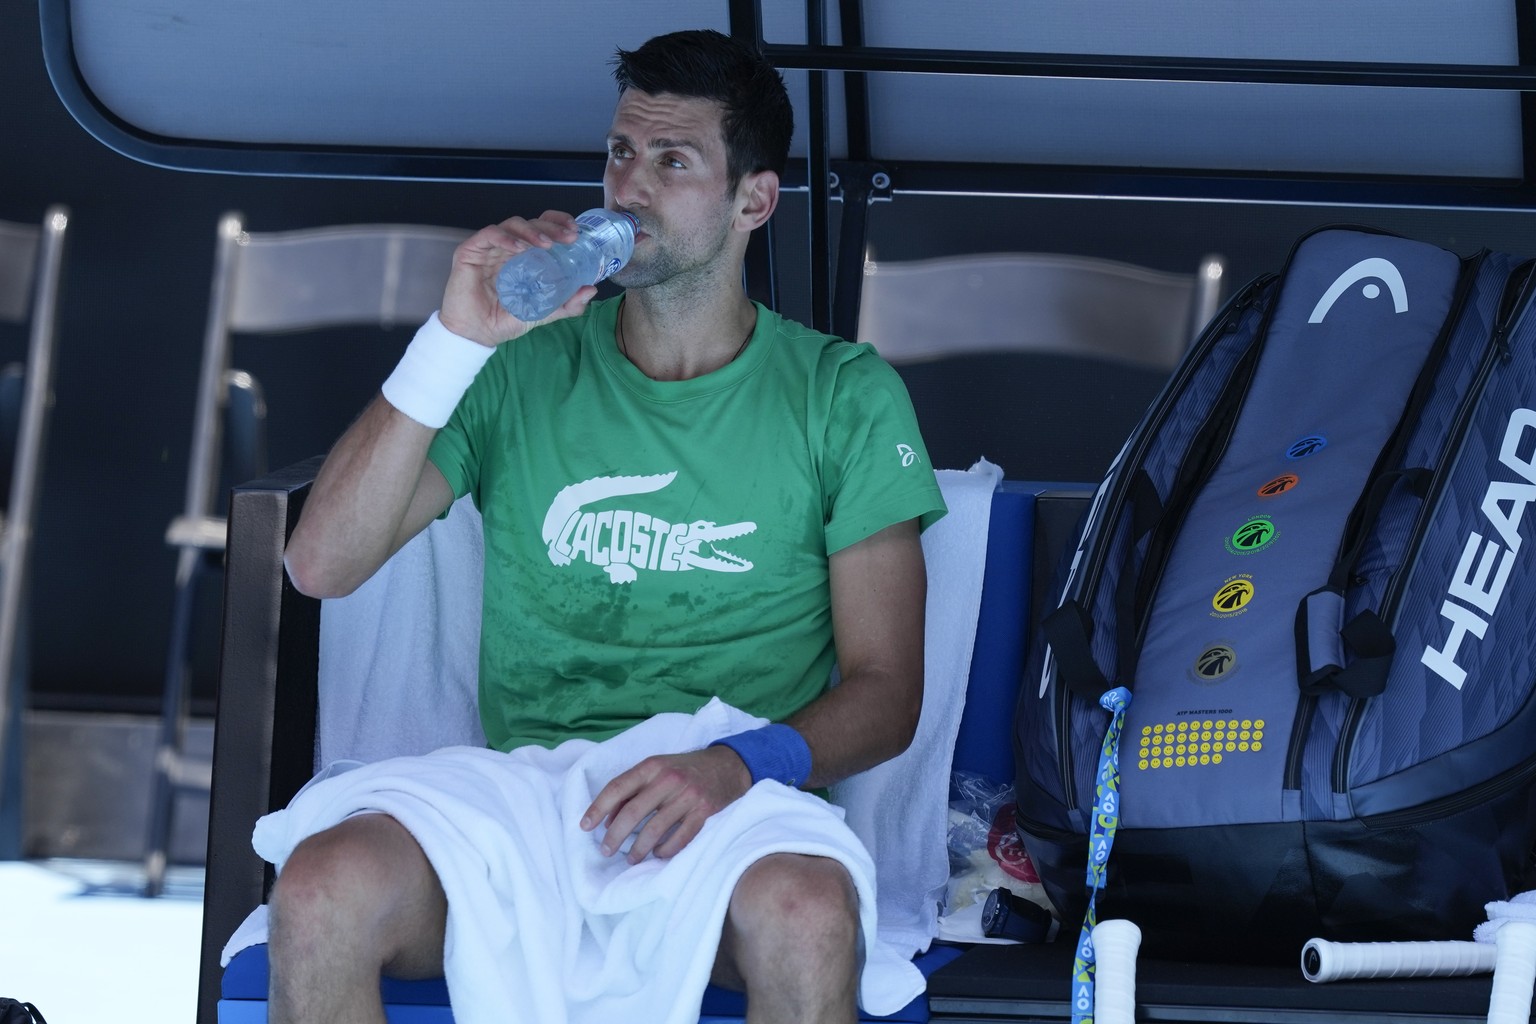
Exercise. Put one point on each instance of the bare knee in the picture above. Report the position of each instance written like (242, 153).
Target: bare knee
(339, 873)
(789, 902)
(363, 886)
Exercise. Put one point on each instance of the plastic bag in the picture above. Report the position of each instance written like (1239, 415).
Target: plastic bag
(984, 848)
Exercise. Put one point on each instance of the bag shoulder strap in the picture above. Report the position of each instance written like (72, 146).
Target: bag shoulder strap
(14, 1011)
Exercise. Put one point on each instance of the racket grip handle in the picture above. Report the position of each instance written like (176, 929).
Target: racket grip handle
(1323, 961)
(1115, 944)
(1513, 974)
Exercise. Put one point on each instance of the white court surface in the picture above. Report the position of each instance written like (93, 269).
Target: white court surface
(80, 943)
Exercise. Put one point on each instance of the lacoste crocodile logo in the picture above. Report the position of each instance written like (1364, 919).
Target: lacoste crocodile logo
(623, 541)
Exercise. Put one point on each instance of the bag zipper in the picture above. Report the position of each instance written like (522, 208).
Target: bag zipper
(1306, 707)
(1160, 542)
(1447, 806)
(1047, 832)
(1222, 325)
(1227, 321)
(1510, 318)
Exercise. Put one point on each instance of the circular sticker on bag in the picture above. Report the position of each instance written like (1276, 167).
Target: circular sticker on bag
(1304, 446)
(1214, 664)
(1279, 485)
(1233, 597)
(1254, 535)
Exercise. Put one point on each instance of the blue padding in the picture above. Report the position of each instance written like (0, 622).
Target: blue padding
(732, 1006)
(242, 1011)
(246, 975)
(984, 744)
(244, 992)
(254, 1011)
(246, 978)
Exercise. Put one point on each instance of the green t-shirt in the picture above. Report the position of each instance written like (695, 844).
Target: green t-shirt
(650, 545)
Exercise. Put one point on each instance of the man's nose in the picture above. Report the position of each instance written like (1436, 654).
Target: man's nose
(626, 185)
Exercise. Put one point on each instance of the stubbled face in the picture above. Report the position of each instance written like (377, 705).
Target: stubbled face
(667, 167)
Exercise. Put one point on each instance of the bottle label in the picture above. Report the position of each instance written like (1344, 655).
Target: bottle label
(614, 238)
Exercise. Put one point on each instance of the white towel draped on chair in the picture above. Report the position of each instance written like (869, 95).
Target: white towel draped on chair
(900, 809)
(399, 657)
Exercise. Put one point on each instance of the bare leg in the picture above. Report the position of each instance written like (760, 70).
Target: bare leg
(791, 941)
(352, 902)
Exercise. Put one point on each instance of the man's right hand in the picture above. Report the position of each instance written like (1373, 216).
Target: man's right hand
(470, 306)
(667, 799)
(377, 489)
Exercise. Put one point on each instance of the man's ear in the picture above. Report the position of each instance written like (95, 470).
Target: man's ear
(757, 196)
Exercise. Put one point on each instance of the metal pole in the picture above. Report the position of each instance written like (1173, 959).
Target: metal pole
(25, 473)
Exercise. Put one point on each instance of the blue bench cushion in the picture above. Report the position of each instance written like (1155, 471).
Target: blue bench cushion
(984, 742)
(245, 980)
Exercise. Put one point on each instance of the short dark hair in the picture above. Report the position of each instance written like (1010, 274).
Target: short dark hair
(758, 120)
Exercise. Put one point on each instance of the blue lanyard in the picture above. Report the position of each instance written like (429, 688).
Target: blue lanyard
(1101, 837)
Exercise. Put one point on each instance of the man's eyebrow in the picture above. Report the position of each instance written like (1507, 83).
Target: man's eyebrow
(658, 143)
(676, 144)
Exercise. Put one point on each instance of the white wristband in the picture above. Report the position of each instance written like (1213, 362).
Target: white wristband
(433, 374)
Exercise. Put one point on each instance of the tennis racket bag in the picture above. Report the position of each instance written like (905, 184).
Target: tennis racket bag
(1312, 569)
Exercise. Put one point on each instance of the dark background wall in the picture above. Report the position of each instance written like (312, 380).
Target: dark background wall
(137, 269)
(136, 283)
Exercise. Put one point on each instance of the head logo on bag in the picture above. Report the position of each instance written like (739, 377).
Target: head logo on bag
(1375, 267)
(1483, 570)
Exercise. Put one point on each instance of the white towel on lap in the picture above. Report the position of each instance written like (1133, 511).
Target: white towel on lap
(541, 927)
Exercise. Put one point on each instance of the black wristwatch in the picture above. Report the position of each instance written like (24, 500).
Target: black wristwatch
(1006, 916)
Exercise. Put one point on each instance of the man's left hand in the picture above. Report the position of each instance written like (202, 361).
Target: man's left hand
(678, 792)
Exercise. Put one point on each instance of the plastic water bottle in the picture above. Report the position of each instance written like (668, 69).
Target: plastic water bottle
(535, 283)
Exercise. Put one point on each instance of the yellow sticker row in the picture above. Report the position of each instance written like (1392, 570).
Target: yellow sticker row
(1207, 747)
(1186, 761)
(1209, 725)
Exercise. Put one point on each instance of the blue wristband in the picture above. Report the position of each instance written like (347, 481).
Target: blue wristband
(775, 751)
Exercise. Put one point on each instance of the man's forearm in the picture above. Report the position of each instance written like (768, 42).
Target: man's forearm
(879, 595)
(868, 718)
(360, 507)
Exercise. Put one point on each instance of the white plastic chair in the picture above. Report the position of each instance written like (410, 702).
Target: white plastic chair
(381, 275)
(31, 263)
